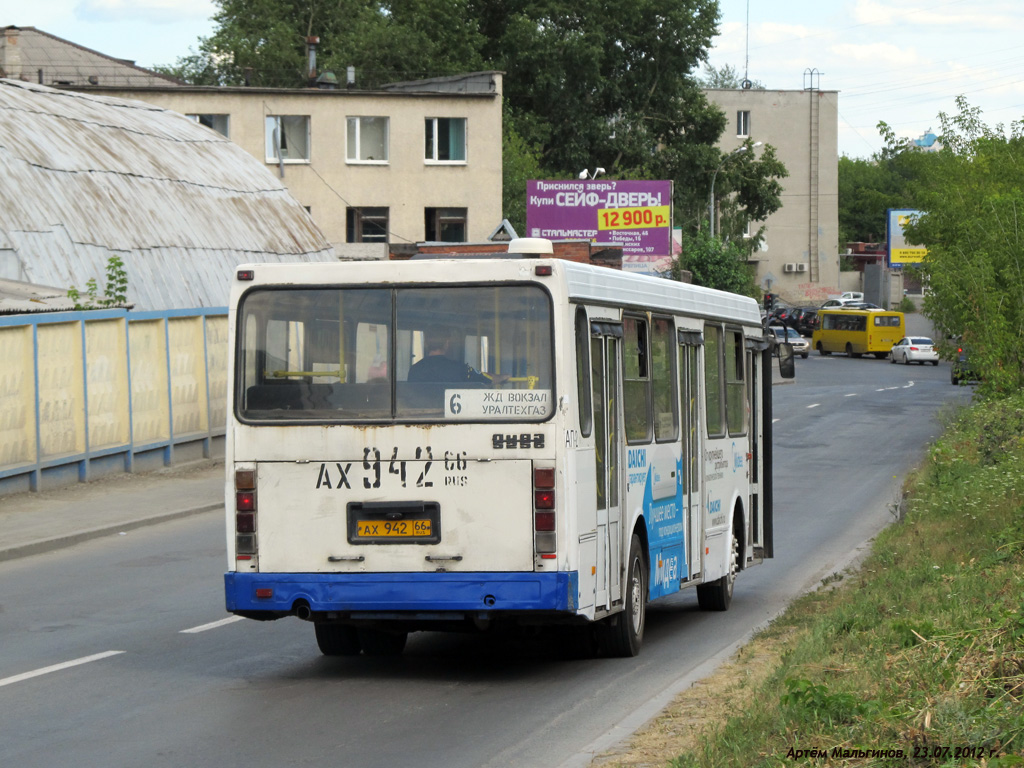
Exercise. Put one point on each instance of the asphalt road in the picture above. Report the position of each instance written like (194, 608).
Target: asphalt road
(182, 685)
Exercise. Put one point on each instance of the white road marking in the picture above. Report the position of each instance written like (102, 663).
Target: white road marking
(211, 625)
(775, 420)
(57, 667)
(814, 405)
(852, 394)
(908, 385)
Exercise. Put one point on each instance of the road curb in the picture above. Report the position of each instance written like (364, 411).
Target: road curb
(69, 539)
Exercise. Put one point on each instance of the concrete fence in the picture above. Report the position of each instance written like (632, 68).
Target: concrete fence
(83, 394)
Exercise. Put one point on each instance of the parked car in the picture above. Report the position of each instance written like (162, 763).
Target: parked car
(801, 346)
(914, 349)
(961, 368)
(780, 315)
(807, 323)
(836, 303)
(792, 317)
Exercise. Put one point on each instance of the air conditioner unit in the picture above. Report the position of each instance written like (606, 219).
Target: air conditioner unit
(801, 267)
(789, 268)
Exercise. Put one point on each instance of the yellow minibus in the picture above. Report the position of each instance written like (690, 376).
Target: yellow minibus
(857, 332)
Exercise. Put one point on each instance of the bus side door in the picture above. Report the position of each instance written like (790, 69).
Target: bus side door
(604, 353)
(693, 432)
(756, 532)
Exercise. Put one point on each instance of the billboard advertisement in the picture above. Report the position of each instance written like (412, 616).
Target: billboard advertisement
(899, 251)
(634, 214)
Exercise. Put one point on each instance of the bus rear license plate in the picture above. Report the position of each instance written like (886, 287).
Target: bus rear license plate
(394, 522)
(394, 529)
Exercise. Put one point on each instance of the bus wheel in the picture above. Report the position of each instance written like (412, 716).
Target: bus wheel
(624, 636)
(337, 639)
(378, 642)
(821, 350)
(717, 595)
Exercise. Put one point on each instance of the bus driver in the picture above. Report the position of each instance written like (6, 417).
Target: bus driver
(437, 366)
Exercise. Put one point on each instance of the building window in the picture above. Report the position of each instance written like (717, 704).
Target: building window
(366, 225)
(446, 140)
(446, 225)
(287, 138)
(218, 123)
(743, 123)
(367, 140)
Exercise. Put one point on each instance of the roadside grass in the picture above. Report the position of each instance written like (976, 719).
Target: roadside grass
(917, 659)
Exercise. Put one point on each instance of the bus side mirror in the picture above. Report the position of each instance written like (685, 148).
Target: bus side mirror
(787, 362)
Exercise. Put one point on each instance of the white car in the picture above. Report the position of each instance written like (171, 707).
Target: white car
(839, 303)
(914, 349)
(801, 346)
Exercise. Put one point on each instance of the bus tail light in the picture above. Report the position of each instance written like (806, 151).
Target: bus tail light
(544, 511)
(245, 514)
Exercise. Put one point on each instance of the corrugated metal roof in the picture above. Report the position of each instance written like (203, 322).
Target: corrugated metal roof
(30, 54)
(85, 177)
(18, 298)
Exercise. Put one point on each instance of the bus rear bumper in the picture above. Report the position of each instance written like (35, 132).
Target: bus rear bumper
(281, 593)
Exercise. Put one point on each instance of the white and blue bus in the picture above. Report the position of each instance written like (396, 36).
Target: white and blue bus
(484, 444)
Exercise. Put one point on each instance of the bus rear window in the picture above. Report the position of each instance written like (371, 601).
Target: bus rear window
(395, 354)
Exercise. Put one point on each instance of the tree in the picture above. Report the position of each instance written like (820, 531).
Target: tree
(520, 164)
(749, 190)
(868, 188)
(713, 263)
(586, 84)
(727, 78)
(115, 291)
(264, 42)
(972, 196)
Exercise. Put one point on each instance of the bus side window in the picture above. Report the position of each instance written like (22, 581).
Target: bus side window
(735, 383)
(663, 376)
(713, 381)
(636, 380)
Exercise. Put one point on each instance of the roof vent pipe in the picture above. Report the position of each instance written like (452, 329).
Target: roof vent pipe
(311, 44)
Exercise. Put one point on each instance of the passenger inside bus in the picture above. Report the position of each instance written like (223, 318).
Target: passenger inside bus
(438, 366)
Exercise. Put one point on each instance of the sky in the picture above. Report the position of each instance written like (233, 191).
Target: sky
(898, 61)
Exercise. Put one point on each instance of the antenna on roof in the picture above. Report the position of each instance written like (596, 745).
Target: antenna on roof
(746, 64)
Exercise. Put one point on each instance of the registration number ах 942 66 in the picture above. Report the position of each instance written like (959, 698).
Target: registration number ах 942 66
(394, 528)
(394, 522)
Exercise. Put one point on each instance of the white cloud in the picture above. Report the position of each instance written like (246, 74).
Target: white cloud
(878, 55)
(159, 11)
(770, 33)
(948, 16)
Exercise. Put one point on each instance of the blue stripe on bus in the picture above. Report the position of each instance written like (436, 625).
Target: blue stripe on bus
(404, 591)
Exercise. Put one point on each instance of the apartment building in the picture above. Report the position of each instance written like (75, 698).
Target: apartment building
(800, 257)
